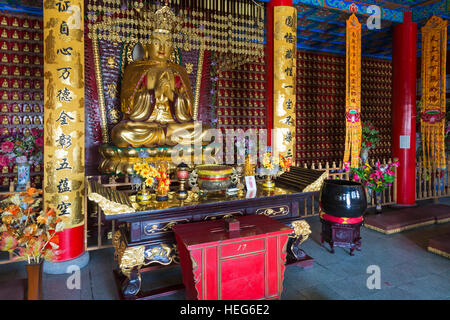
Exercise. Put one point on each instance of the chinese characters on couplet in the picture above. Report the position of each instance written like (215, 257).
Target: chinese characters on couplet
(63, 5)
(285, 72)
(65, 124)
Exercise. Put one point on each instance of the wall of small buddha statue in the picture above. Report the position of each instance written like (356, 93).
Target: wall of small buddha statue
(21, 84)
(321, 106)
(241, 97)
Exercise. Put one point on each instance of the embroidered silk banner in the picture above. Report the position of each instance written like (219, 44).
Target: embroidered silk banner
(64, 109)
(353, 132)
(284, 98)
(432, 117)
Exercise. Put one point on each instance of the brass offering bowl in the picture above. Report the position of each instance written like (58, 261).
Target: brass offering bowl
(213, 177)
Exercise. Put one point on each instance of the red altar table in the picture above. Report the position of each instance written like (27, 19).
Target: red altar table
(245, 264)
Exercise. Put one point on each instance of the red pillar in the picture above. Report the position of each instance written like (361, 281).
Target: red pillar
(269, 62)
(404, 61)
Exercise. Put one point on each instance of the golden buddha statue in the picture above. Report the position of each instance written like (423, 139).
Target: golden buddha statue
(156, 96)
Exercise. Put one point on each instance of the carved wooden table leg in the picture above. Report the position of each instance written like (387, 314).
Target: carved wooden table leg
(132, 284)
(296, 255)
(130, 260)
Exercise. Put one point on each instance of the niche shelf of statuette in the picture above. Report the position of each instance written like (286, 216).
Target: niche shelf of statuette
(12, 188)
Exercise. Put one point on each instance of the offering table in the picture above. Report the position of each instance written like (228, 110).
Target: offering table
(145, 237)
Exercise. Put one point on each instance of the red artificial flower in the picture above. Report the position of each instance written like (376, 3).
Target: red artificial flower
(7, 146)
(4, 161)
(39, 141)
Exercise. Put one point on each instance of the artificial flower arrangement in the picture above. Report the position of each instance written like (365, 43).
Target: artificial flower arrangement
(376, 178)
(370, 136)
(26, 230)
(22, 149)
(280, 165)
(146, 172)
(150, 174)
(273, 166)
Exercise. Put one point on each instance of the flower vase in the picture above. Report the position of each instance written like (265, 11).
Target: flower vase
(369, 196)
(23, 176)
(268, 183)
(161, 195)
(365, 156)
(144, 196)
(34, 287)
(378, 201)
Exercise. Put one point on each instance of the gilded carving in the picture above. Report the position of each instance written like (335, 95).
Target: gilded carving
(130, 258)
(50, 53)
(277, 211)
(153, 228)
(223, 216)
(301, 229)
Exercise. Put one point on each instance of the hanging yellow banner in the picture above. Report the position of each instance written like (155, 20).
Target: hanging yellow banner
(353, 132)
(432, 117)
(284, 65)
(64, 109)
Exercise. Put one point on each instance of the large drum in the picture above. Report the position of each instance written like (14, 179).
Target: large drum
(343, 198)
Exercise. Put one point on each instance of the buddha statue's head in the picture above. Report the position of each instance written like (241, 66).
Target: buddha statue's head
(161, 47)
(164, 23)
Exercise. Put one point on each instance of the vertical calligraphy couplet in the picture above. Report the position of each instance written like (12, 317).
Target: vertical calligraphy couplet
(64, 119)
(353, 132)
(432, 118)
(285, 71)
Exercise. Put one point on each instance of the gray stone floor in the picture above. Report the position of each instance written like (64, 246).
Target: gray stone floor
(408, 271)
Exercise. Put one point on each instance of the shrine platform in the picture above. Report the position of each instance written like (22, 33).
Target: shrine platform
(440, 245)
(392, 221)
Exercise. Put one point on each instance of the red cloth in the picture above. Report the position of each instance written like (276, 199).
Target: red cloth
(341, 220)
